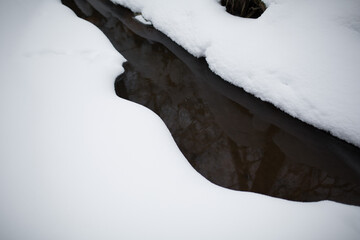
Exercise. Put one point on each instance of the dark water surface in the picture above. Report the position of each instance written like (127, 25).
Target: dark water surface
(230, 137)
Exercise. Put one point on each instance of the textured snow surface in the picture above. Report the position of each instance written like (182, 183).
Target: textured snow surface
(77, 162)
(141, 19)
(301, 55)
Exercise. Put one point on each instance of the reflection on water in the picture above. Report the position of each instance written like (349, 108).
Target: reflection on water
(230, 137)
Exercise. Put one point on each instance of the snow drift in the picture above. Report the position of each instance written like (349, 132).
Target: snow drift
(300, 55)
(77, 162)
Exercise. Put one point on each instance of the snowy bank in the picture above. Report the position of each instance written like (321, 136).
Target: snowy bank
(77, 162)
(300, 55)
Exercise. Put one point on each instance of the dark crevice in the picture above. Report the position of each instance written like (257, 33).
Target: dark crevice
(244, 8)
(230, 137)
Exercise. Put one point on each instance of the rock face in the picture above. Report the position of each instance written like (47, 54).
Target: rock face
(244, 8)
(235, 151)
(227, 142)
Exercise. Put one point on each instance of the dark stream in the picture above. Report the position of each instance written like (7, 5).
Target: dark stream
(230, 137)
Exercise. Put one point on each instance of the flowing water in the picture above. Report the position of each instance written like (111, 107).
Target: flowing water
(230, 137)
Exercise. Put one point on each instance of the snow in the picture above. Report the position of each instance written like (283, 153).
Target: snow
(301, 55)
(141, 19)
(77, 162)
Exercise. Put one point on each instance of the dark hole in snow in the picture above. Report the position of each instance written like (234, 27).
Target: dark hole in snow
(230, 137)
(244, 8)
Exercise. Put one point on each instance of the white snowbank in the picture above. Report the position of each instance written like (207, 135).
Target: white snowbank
(77, 162)
(301, 55)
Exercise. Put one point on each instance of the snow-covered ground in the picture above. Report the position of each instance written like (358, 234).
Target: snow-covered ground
(77, 162)
(301, 55)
